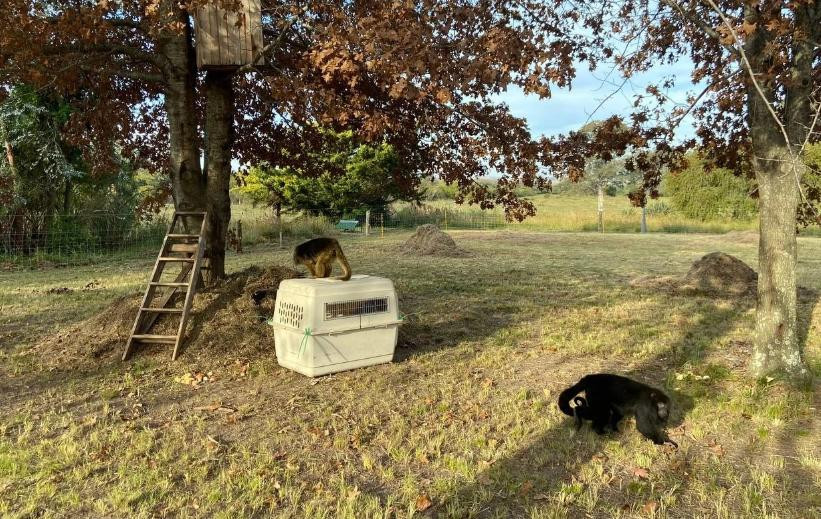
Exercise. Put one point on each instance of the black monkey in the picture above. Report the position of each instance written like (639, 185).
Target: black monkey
(258, 296)
(609, 398)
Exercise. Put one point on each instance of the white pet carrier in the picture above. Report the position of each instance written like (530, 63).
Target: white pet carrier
(323, 326)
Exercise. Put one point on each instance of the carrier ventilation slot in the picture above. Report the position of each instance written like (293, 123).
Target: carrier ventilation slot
(342, 309)
(290, 314)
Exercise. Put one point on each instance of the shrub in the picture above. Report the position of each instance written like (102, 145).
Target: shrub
(703, 195)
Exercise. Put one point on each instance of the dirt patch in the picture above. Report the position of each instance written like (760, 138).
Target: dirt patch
(429, 240)
(223, 319)
(716, 273)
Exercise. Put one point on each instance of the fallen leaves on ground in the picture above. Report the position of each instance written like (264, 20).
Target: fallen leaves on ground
(423, 502)
(641, 473)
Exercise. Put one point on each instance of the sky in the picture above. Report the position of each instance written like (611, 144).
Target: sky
(569, 109)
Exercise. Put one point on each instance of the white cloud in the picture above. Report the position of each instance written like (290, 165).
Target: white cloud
(568, 109)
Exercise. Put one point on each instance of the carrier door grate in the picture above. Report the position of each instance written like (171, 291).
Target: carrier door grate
(352, 308)
(290, 314)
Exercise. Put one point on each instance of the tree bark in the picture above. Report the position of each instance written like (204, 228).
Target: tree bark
(777, 347)
(219, 131)
(778, 170)
(67, 197)
(187, 180)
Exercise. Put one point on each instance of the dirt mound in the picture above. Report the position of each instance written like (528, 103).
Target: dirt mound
(716, 273)
(223, 320)
(719, 272)
(430, 240)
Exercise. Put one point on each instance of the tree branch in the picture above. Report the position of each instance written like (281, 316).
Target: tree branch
(268, 49)
(692, 17)
(749, 68)
(110, 48)
(698, 98)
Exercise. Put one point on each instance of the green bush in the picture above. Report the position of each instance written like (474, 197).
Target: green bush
(717, 194)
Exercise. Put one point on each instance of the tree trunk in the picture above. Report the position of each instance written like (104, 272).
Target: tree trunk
(67, 197)
(219, 131)
(778, 171)
(777, 348)
(187, 180)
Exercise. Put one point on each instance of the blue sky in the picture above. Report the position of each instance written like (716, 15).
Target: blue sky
(569, 109)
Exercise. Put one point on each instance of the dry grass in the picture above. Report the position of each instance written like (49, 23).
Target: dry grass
(465, 419)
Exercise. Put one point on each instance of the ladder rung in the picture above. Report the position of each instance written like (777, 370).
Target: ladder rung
(183, 235)
(171, 258)
(162, 310)
(167, 284)
(183, 247)
(170, 339)
(190, 213)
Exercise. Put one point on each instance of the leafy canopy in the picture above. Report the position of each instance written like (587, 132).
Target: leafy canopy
(352, 178)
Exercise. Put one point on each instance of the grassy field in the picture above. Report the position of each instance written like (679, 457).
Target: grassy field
(578, 213)
(462, 424)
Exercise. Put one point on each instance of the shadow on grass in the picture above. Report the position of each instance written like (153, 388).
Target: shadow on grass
(544, 470)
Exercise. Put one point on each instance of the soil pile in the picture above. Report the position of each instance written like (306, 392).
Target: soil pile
(224, 319)
(716, 273)
(719, 272)
(429, 240)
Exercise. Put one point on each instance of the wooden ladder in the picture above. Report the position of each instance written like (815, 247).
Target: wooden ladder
(178, 247)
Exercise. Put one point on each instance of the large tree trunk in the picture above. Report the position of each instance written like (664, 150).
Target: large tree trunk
(187, 180)
(219, 130)
(778, 170)
(777, 348)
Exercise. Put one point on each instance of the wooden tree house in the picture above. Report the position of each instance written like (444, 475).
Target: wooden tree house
(228, 38)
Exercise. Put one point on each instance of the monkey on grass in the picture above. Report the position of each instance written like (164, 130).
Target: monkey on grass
(609, 398)
(319, 255)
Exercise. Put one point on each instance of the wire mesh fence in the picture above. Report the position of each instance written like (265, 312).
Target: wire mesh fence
(38, 239)
(32, 240)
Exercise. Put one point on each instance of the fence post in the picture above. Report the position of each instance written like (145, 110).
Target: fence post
(367, 222)
(643, 220)
(279, 224)
(601, 209)
(239, 236)
(446, 219)
(382, 225)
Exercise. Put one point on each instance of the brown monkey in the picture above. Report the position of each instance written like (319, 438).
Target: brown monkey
(319, 254)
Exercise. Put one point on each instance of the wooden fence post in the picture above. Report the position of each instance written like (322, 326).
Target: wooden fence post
(643, 220)
(367, 222)
(601, 209)
(239, 236)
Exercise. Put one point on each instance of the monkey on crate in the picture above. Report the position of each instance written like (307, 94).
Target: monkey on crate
(609, 398)
(319, 255)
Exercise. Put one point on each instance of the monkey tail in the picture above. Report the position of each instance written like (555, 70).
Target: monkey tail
(567, 395)
(343, 261)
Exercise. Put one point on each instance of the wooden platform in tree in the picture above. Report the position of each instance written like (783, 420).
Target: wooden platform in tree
(183, 247)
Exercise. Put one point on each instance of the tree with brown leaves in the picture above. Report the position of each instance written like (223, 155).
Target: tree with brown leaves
(758, 64)
(416, 75)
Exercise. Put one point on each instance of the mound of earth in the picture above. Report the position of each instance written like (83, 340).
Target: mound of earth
(715, 273)
(223, 320)
(719, 272)
(429, 240)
